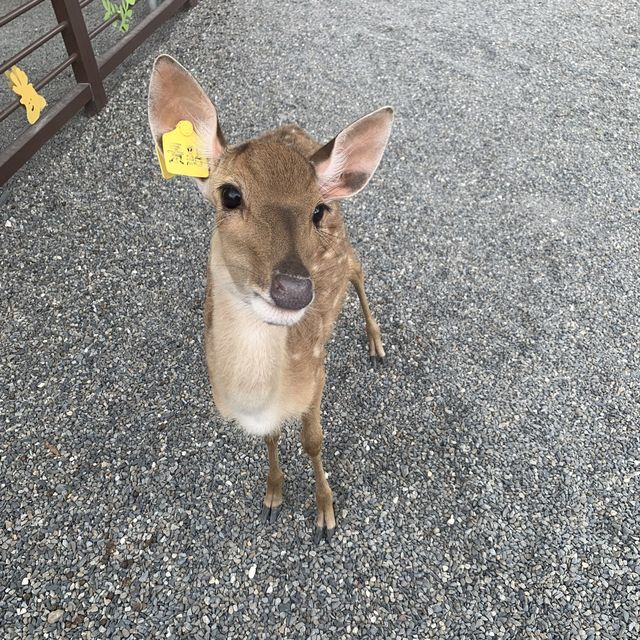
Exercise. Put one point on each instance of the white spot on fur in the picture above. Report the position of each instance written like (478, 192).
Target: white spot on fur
(317, 350)
(261, 423)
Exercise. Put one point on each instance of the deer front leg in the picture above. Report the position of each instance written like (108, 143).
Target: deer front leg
(312, 444)
(273, 498)
(356, 277)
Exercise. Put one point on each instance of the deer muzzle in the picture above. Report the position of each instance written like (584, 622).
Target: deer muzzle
(291, 286)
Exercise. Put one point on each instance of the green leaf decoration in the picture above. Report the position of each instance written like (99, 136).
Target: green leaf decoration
(121, 10)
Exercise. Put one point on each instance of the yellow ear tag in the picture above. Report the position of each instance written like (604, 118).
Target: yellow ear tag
(182, 150)
(163, 167)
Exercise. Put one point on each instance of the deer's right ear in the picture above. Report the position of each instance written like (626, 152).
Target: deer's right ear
(345, 165)
(174, 95)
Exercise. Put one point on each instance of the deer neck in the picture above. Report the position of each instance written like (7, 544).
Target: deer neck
(249, 357)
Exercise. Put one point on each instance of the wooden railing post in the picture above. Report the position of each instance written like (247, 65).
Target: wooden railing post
(76, 40)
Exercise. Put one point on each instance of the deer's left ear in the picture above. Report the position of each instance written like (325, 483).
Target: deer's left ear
(174, 95)
(346, 164)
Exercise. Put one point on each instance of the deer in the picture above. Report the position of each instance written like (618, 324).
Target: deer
(278, 269)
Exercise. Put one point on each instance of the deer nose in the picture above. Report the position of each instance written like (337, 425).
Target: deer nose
(291, 286)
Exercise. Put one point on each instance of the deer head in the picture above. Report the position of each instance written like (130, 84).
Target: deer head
(274, 203)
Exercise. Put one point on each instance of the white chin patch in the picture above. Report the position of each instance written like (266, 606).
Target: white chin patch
(271, 314)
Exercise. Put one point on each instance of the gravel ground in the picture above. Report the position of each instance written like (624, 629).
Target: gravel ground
(486, 479)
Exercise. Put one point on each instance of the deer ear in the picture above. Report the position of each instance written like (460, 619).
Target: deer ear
(174, 95)
(346, 164)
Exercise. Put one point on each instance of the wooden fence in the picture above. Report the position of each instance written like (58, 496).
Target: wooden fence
(89, 70)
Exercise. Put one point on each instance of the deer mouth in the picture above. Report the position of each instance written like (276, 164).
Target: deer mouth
(268, 311)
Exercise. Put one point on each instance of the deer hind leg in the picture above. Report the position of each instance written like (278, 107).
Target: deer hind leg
(311, 436)
(356, 277)
(272, 504)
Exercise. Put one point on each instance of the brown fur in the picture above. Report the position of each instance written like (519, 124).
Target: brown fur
(268, 167)
(279, 158)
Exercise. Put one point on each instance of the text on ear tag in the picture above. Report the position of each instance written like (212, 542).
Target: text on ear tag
(163, 167)
(182, 151)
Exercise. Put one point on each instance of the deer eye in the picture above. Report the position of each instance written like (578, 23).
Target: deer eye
(318, 213)
(231, 196)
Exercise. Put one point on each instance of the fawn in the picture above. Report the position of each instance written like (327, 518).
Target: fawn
(278, 268)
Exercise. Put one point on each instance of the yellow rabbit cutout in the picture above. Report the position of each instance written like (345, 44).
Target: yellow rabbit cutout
(33, 102)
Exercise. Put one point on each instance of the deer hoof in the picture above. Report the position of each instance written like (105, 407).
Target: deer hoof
(323, 532)
(269, 515)
(376, 361)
